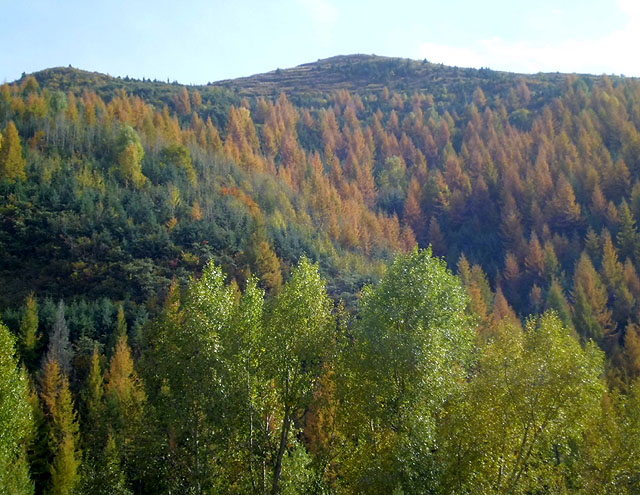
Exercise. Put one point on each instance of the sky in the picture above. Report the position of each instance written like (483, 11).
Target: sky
(200, 41)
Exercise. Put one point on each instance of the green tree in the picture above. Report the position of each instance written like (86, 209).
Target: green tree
(412, 343)
(608, 460)
(107, 477)
(29, 332)
(120, 330)
(94, 420)
(130, 154)
(298, 340)
(591, 316)
(186, 377)
(557, 301)
(16, 421)
(532, 396)
(12, 163)
(125, 401)
(179, 156)
(627, 237)
(63, 440)
(59, 347)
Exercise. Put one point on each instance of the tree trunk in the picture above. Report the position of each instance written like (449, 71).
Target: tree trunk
(283, 445)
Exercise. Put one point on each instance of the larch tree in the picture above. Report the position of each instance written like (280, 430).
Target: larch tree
(125, 401)
(12, 163)
(591, 316)
(63, 428)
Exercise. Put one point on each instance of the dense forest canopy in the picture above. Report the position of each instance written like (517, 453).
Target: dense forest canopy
(216, 289)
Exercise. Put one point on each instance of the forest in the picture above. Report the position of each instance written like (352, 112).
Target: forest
(363, 275)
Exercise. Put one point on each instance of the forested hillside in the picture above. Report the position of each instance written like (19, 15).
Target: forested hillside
(197, 282)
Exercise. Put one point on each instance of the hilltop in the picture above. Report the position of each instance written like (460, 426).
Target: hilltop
(363, 74)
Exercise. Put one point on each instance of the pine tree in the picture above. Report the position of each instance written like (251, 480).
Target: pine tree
(29, 332)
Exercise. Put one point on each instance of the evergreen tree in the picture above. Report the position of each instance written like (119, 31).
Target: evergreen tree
(94, 419)
(29, 332)
(591, 316)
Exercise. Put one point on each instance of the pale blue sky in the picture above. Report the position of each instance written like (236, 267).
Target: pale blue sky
(198, 41)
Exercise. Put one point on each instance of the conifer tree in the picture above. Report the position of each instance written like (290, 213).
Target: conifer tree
(59, 348)
(263, 260)
(63, 439)
(94, 407)
(534, 259)
(591, 316)
(125, 401)
(29, 332)
(557, 301)
(627, 238)
(12, 163)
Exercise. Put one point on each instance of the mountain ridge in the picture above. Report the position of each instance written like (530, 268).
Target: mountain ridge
(359, 72)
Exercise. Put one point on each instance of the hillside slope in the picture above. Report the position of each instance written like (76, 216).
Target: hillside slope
(527, 184)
